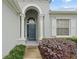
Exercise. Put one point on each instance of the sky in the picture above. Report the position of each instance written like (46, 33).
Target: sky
(63, 4)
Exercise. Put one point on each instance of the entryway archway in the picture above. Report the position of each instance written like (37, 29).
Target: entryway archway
(34, 12)
(31, 25)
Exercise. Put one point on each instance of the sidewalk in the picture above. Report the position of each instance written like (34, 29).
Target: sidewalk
(32, 53)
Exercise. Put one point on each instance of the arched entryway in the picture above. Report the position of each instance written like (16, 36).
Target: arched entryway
(31, 25)
(32, 20)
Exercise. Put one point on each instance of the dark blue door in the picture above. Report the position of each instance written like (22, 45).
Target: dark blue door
(31, 32)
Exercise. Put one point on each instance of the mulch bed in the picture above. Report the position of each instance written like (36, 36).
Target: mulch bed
(57, 48)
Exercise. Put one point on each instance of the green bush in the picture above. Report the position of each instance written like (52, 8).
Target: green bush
(73, 38)
(16, 53)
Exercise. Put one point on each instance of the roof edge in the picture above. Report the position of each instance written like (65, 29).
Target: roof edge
(63, 12)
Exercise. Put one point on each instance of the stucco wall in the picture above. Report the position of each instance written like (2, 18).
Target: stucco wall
(44, 4)
(10, 28)
(72, 21)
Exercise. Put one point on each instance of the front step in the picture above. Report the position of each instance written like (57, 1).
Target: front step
(32, 43)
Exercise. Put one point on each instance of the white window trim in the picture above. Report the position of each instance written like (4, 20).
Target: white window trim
(59, 17)
(65, 36)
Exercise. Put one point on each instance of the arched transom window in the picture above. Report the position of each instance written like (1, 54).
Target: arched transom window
(31, 21)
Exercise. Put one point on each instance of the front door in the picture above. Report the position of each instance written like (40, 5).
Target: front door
(31, 30)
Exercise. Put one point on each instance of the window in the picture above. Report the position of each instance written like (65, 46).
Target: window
(62, 26)
(31, 21)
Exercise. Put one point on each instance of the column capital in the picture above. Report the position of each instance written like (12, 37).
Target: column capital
(42, 15)
(23, 15)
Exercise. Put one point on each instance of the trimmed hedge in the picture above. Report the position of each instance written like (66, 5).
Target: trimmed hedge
(16, 53)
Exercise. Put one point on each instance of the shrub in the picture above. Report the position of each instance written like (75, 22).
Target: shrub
(57, 48)
(73, 38)
(16, 53)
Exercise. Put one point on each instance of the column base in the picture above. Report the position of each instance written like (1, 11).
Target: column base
(40, 38)
(22, 38)
(21, 41)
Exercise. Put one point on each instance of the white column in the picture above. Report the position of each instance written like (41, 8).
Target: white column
(22, 26)
(41, 26)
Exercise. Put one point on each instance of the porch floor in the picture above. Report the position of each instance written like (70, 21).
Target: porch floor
(32, 52)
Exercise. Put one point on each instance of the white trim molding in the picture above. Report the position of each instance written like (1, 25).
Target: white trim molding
(41, 21)
(22, 26)
(29, 5)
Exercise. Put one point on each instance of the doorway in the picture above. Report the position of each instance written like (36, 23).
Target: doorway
(31, 25)
(31, 29)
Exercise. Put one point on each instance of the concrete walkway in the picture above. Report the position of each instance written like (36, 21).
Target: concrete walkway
(32, 53)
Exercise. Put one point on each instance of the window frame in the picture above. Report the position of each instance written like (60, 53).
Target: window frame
(67, 28)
